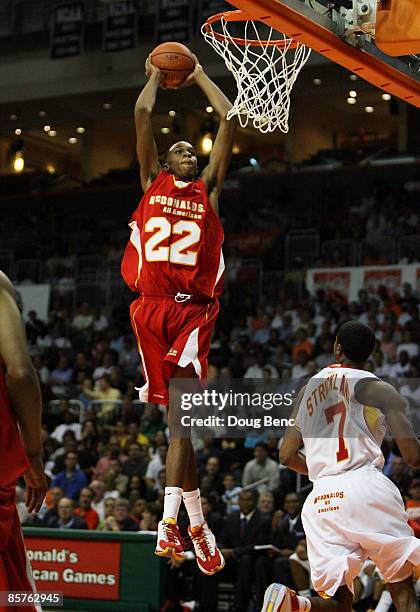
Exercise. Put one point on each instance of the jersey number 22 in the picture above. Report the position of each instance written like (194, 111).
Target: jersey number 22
(178, 252)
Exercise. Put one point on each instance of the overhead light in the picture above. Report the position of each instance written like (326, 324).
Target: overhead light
(47, 128)
(172, 113)
(369, 109)
(387, 97)
(52, 133)
(72, 140)
(253, 161)
(353, 77)
(165, 130)
(317, 81)
(42, 113)
(13, 117)
(18, 131)
(50, 169)
(353, 94)
(351, 101)
(235, 149)
(19, 163)
(80, 130)
(107, 105)
(209, 109)
(206, 143)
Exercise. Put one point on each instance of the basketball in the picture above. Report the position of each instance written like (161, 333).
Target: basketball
(175, 61)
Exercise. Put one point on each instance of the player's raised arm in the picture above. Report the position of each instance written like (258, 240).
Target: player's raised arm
(23, 389)
(289, 452)
(383, 396)
(146, 146)
(213, 175)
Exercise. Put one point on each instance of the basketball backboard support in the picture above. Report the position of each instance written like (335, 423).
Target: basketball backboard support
(343, 35)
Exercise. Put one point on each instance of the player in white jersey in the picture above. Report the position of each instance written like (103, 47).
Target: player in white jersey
(354, 511)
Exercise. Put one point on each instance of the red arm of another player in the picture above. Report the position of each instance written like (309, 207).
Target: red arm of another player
(382, 395)
(24, 392)
(147, 153)
(289, 452)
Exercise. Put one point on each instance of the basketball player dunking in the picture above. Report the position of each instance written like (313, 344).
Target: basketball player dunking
(20, 444)
(174, 260)
(354, 511)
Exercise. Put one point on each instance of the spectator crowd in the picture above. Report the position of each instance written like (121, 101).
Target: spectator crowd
(105, 452)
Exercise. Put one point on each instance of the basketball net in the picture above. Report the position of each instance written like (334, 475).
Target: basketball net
(265, 70)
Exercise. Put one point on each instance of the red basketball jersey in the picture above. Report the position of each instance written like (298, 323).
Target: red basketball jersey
(14, 461)
(176, 241)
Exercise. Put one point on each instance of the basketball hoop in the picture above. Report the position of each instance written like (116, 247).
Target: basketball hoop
(265, 68)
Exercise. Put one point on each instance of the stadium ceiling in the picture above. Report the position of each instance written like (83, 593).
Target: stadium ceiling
(320, 85)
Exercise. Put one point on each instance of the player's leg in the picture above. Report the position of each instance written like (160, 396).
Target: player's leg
(335, 558)
(15, 569)
(181, 468)
(404, 595)
(279, 598)
(181, 472)
(182, 465)
(149, 321)
(393, 548)
(187, 359)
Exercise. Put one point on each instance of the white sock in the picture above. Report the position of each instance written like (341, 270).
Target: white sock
(384, 603)
(304, 604)
(192, 501)
(172, 502)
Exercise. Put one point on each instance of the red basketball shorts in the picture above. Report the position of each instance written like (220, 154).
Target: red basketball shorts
(171, 334)
(15, 570)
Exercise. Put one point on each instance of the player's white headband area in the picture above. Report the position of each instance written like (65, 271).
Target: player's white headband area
(182, 142)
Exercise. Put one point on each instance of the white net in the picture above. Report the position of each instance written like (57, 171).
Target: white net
(265, 70)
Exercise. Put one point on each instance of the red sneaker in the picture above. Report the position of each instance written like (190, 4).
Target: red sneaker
(209, 558)
(169, 539)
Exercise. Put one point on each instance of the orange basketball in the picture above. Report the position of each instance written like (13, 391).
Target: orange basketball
(175, 61)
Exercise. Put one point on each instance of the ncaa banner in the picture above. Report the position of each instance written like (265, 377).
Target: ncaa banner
(67, 34)
(120, 26)
(174, 21)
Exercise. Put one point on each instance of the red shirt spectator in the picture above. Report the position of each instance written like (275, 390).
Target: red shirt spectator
(85, 511)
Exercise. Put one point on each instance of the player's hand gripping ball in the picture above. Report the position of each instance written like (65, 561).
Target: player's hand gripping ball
(175, 61)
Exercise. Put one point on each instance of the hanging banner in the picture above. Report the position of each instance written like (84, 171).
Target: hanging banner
(120, 26)
(347, 282)
(174, 21)
(391, 278)
(335, 283)
(67, 35)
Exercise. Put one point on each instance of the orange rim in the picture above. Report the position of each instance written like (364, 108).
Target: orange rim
(243, 16)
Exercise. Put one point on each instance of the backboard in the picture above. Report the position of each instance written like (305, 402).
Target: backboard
(344, 32)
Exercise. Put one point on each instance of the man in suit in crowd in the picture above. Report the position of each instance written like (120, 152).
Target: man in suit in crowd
(243, 531)
(286, 535)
